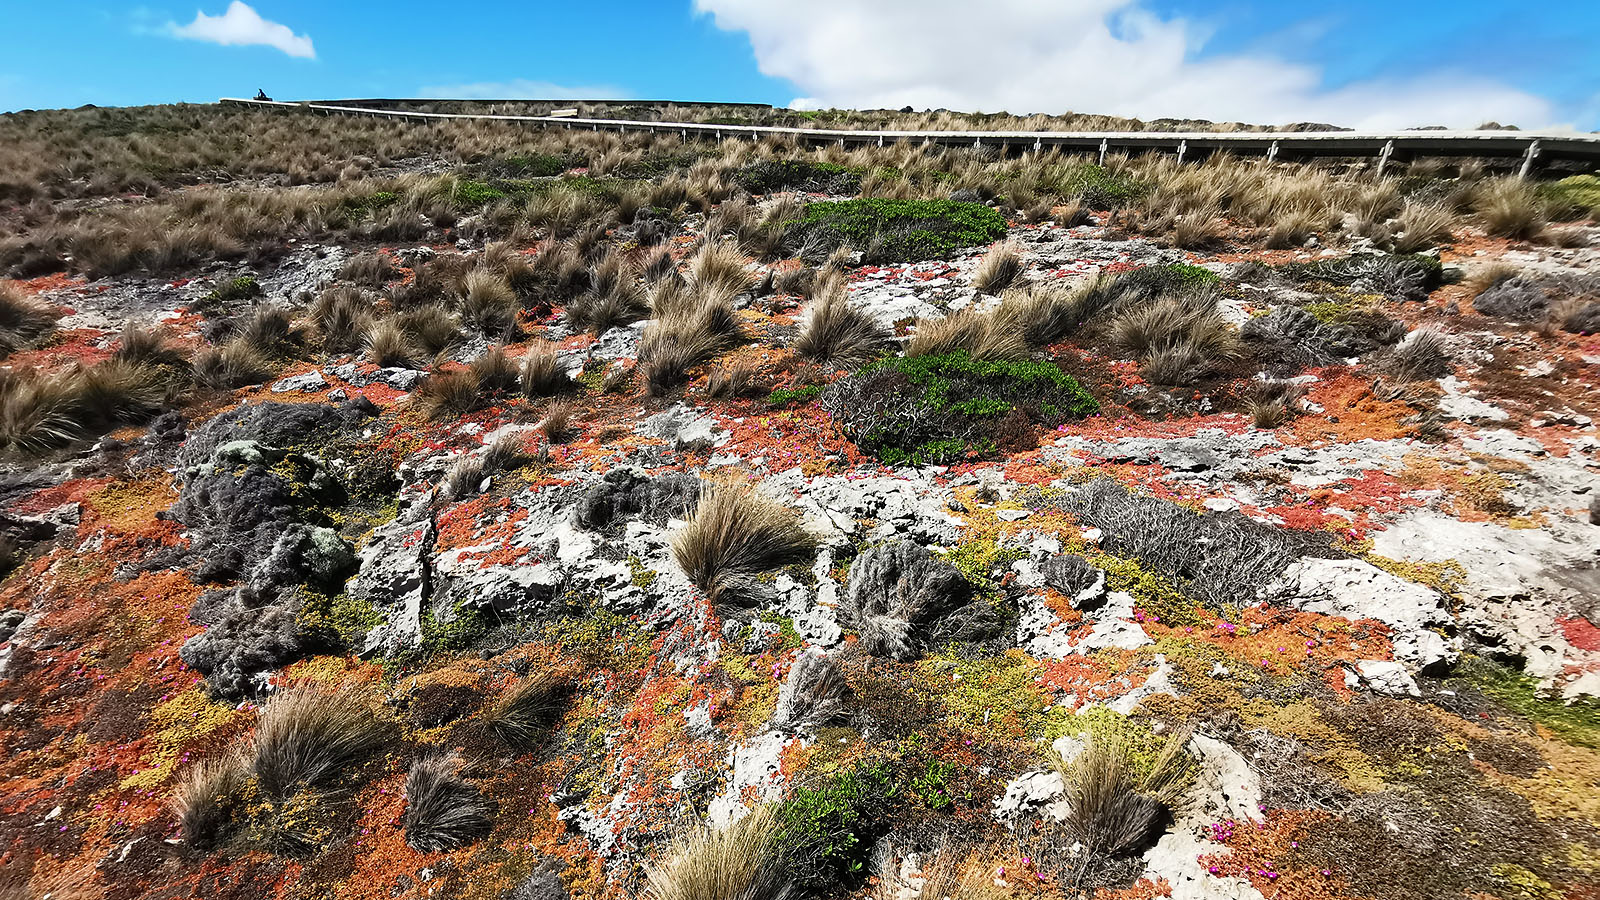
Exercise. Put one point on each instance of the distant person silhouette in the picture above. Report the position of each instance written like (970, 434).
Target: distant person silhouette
(262, 95)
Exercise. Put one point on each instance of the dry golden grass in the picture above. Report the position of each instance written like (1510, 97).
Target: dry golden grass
(309, 738)
(23, 319)
(838, 333)
(983, 335)
(1423, 226)
(206, 797)
(525, 713)
(719, 267)
(234, 364)
(736, 862)
(998, 269)
(733, 535)
(388, 344)
(541, 374)
(1509, 208)
(1115, 809)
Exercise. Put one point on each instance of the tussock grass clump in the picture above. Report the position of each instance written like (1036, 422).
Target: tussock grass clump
(443, 810)
(719, 267)
(23, 319)
(556, 426)
(389, 345)
(432, 330)
(1422, 355)
(838, 333)
(309, 738)
(234, 364)
(526, 712)
(369, 269)
(737, 862)
(447, 393)
(39, 412)
(340, 316)
(541, 373)
(271, 331)
(1175, 338)
(487, 301)
(1045, 313)
(466, 474)
(495, 372)
(148, 347)
(1115, 809)
(691, 328)
(207, 797)
(738, 380)
(1272, 402)
(732, 535)
(1423, 226)
(1509, 208)
(984, 337)
(998, 270)
(814, 693)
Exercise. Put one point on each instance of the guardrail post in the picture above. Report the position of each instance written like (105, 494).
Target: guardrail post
(1103, 146)
(1037, 145)
(1527, 159)
(1272, 152)
(1183, 146)
(1383, 156)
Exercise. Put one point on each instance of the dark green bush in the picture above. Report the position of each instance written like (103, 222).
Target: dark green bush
(827, 831)
(536, 165)
(763, 176)
(897, 230)
(940, 408)
(786, 396)
(1098, 188)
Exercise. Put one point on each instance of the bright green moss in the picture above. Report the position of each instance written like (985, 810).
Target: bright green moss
(901, 230)
(786, 396)
(1577, 722)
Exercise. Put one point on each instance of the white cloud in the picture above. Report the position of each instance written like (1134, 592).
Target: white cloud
(1093, 56)
(522, 89)
(242, 26)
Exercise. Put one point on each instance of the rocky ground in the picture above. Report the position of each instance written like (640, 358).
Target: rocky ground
(1375, 625)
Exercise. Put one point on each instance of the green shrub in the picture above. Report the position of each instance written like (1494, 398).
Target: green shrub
(471, 194)
(763, 176)
(938, 408)
(898, 230)
(1572, 198)
(536, 165)
(236, 290)
(828, 830)
(1577, 722)
(1098, 188)
(786, 396)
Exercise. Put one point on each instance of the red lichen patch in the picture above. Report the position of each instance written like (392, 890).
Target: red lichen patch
(1580, 633)
(1350, 412)
(1266, 854)
(64, 349)
(1281, 642)
(1143, 889)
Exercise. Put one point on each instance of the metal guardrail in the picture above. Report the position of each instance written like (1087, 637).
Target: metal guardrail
(1528, 146)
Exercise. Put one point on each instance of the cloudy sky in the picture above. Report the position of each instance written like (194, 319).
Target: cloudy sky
(1357, 63)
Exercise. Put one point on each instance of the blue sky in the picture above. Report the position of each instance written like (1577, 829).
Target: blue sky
(1361, 63)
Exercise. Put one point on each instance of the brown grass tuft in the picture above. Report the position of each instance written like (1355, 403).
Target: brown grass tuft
(733, 535)
(736, 862)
